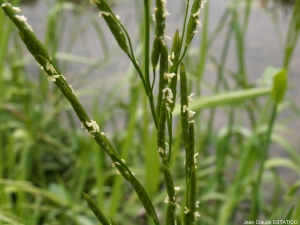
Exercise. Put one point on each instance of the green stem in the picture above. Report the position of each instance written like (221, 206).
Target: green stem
(256, 205)
(147, 43)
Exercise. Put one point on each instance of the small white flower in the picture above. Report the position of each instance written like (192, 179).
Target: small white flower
(202, 3)
(63, 77)
(153, 17)
(161, 150)
(50, 67)
(133, 174)
(163, 42)
(16, 9)
(195, 160)
(94, 125)
(176, 188)
(118, 172)
(71, 88)
(178, 77)
(105, 14)
(169, 76)
(166, 36)
(197, 204)
(113, 165)
(102, 133)
(197, 13)
(53, 77)
(167, 200)
(186, 210)
(5, 4)
(123, 160)
(21, 18)
(166, 13)
(190, 97)
(191, 113)
(195, 32)
(198, 22)
(196, 214)
(173, 55)
(169, 94)
(24, 20)
(185, 108)
(169, 61)
(118, 17)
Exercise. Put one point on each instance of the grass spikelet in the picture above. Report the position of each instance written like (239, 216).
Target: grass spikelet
(193, 21)
(162, 82)
(114, 25)
(160, 13)
(174, 55)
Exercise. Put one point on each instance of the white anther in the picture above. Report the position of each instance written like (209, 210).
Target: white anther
(169, 76)
(190, 97)
(185, 108)
(161, 150)
(53, 77)
(186, 210)
(169, 60)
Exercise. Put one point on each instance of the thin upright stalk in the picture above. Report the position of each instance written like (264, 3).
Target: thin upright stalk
(264, 151)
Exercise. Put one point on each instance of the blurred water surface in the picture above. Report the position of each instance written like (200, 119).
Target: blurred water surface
(264, 44)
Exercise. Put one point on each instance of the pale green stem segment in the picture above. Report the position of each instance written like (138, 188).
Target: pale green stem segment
(100, 216)
(42, 57)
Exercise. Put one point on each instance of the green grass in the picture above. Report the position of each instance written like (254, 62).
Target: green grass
(47, 161)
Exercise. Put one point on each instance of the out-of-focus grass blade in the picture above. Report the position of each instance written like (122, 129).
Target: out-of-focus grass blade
(289, 214)
(9, 219)
(279, 85)
(282, 162)
(224, 99)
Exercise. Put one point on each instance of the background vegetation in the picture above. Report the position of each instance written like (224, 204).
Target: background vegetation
(47, 161)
